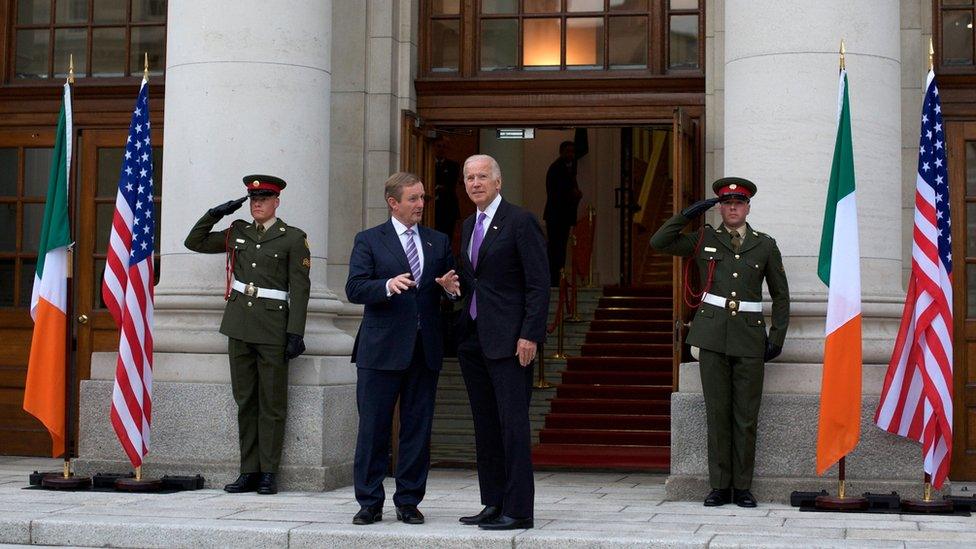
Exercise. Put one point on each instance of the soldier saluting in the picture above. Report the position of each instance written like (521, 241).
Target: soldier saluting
(264, 320)
(730, 330)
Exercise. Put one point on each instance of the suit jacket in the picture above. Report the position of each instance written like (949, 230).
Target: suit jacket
(279, 260)
(511, 281)
(388, 333)
(562, 194)
(737, 275)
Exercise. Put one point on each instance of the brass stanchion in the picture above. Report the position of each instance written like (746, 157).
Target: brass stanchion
(559, 354)
(541, 382)
(575, 286)
(590, 215)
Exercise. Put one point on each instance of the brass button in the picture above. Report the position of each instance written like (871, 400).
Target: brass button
(249, 304)
(759, 322)
(733, 313)
(281, 306)
(735, 275)
(258, 246)
(254, 264)
(733, 294)
(276, 255)
(737, 256)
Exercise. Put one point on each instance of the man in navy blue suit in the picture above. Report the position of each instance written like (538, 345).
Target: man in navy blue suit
(504, 275)
(394, 272)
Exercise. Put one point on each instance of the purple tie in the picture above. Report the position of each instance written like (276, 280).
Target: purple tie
(476, 238)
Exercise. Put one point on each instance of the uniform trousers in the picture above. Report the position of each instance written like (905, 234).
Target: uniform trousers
(377, 392)
(259, 381)
(732, 387)
(500, 391)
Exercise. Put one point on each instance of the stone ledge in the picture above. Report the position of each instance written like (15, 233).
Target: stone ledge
(789, 378)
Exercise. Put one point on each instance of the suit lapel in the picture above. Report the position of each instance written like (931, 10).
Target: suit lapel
(466, 229)
(724, 238)
(392, 241)
(271, 233)
(492, 230)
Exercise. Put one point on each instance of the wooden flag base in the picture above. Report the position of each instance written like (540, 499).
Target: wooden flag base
(927, 506)
(138, 485)
(71, 482)
(836, 503)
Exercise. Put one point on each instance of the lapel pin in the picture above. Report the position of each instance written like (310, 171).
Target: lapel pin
(240, 240)
(282, 229)
(429, 244)
(495, 227)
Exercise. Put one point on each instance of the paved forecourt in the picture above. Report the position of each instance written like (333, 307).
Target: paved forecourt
(606, 510)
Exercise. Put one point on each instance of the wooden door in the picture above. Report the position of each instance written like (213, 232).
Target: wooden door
(961, 147)
(417, 156)
(687, 188)
(25, 160)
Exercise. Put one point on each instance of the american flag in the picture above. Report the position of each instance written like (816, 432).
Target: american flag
(127, 288)
(916, 401)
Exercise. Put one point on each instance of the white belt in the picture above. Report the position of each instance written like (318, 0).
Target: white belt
(251, 290)
(733, 305)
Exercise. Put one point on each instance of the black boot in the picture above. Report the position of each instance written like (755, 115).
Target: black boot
(267, 484)
(247, 482)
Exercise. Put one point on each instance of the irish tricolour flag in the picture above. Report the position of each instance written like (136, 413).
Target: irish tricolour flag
(839, 268)
(44, 394)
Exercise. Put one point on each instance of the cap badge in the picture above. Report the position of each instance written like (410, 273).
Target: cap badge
(733, 186)
(255, 183)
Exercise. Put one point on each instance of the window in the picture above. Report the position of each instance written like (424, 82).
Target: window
(108, 38)
(561, 36)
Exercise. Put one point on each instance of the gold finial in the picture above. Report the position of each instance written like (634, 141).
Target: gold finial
(71, 68)
(145, 70)
(931, 55)
(843, 50)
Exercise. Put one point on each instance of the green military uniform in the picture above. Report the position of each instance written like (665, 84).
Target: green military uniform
(275, 259)
(732, 340)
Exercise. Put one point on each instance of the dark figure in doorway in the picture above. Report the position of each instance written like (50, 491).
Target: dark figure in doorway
(562, 200)
(447, 173)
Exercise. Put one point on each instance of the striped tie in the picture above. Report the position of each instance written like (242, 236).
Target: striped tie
(412, 256)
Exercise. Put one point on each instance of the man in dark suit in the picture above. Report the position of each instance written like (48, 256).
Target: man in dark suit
(504, 278)
(447, 173)
(563, 196)
(393, 271)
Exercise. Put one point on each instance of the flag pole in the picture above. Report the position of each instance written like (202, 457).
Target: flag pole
(67, 480)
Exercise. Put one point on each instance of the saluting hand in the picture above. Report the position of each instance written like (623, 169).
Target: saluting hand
(400, 283)
(525, 350)
(450, 283)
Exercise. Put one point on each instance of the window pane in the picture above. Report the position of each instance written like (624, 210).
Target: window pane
(971, 229)
(37, 170)
(499, 44)
(971, 291)
(957, 37)
(622, 5)
(157, 177)
(27, 269)
(69, 42)
(6, 282)
(110, 11)
(103, 225)
(540, 39)
(628, 42)
(8, 220)
(584, 42)
(108, 52)
(109, 168)
(33, 219)
(541, 6)
(445, 45)
(446, 7)
(584, 5)
(151, 40)
(8, 173)
(971, 168)
(684, 4)
(32, 46)
(684, 41)
(34, 12)
(148, 11)
(71, 11)
(957, 2)
(499, 6)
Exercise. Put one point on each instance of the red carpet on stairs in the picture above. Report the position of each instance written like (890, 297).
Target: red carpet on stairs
(612, 408)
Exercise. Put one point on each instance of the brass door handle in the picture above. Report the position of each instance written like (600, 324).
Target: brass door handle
(82, 319)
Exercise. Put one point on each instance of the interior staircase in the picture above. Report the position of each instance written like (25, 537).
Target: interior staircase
(611, 409)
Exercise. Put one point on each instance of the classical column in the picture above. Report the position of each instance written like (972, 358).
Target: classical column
(247, 91)
(780, 119)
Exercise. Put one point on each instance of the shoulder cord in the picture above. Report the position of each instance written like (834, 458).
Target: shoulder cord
(688, 290)
(230, 254)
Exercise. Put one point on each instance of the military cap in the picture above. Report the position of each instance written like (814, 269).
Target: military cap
(729, 188)
(263, 185)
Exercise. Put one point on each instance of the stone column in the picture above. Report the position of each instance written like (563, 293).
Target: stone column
(247, 91)
(780, 119)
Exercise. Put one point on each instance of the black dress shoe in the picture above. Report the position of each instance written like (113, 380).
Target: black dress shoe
(368, 515)
(267, 485)
(488, 514)
(246, 482)
(507, 523)
(718, 497)
(744, 498)
(409, 514)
